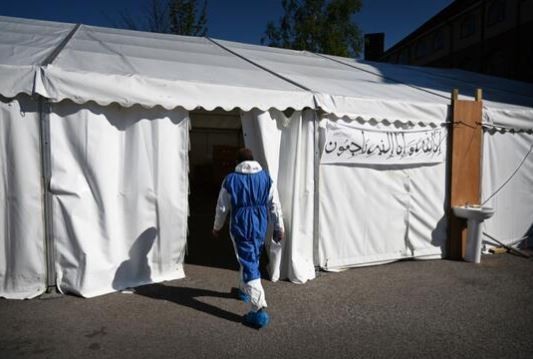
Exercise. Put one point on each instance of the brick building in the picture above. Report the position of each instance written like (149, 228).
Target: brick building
(489, 36)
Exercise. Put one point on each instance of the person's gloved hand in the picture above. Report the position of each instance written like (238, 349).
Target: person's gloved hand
(215, 233)
(278, 236)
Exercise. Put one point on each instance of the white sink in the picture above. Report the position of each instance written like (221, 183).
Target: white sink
(474, 214)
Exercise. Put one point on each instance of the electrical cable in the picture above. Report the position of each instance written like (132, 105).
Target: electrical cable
(510, 177)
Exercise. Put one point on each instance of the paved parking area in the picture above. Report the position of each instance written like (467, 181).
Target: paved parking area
(409, 309)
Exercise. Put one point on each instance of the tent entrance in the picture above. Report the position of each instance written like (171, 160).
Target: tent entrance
(215, 138)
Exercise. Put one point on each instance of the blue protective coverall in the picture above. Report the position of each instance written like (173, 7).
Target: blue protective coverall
(251, 197)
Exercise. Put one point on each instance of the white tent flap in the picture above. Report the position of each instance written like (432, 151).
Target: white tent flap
(22, 248)
(285, 146)
(120, 187)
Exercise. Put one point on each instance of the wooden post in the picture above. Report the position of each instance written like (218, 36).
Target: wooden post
(465, 156)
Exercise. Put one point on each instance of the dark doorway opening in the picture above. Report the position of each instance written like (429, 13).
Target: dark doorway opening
(215, 138)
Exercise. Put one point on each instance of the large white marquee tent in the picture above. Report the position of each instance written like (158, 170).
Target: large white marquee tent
(94, 149)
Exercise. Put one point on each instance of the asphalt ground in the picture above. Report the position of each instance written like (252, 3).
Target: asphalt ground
(408, 309)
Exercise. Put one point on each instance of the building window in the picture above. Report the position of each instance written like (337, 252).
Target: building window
(438, 40)
(468, 26)
(496, 12)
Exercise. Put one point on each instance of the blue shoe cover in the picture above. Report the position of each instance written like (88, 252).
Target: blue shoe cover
(244, 297)
(258, 319)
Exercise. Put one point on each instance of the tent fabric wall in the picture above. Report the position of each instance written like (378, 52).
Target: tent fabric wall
(375, 214)
(120, 186)
(285, 146)
(22, 242)
(508, 164)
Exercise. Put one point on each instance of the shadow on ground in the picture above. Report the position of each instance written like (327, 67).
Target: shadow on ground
(189, 297)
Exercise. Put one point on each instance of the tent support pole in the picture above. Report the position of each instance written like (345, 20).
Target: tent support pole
(464, 154)
(316, 194)
(46, 168)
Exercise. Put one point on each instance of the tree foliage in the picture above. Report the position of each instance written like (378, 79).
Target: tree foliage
(186, 17)
(323, 26)
(181, 17)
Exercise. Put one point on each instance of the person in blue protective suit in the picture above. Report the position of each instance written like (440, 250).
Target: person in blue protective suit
(251, 196)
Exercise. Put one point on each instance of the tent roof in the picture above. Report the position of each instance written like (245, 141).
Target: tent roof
(344, 90)
(24, 46)
(86, 63)
(132, 67)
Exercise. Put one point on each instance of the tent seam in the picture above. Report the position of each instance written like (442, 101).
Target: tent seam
(51, 58)
(416, 68)
(379, 75)
(292, 82)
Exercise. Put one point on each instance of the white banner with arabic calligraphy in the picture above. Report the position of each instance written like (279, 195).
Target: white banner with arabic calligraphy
(352, 144)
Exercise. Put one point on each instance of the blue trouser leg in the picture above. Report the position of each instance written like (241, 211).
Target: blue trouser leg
(248, 254)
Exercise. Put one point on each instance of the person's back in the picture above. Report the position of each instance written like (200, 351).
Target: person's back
(250, 195)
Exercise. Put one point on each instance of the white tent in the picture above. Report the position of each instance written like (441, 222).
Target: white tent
(94, 146)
